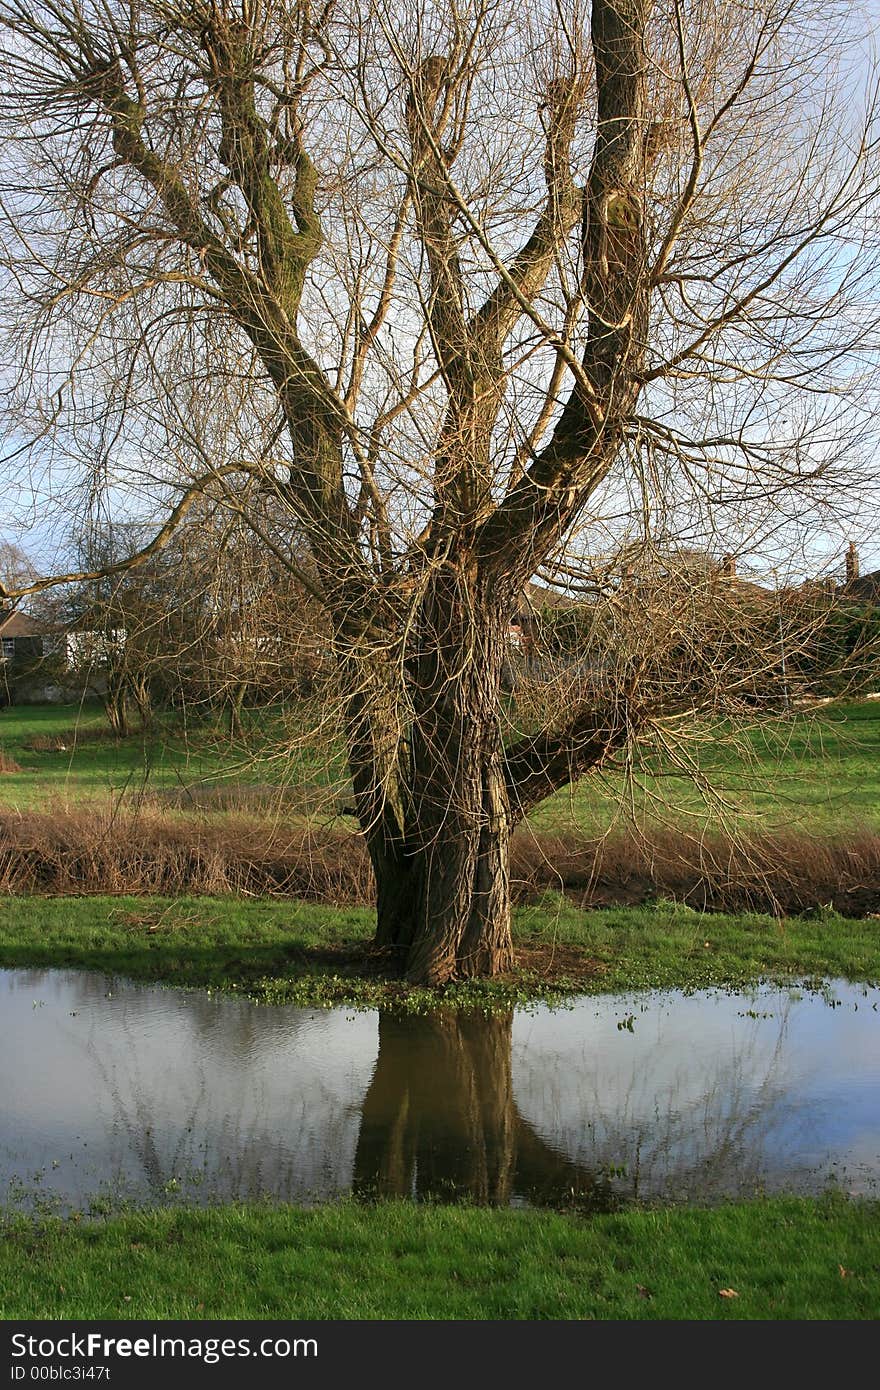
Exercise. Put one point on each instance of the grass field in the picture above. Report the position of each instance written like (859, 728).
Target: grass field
(175, 756)
(774, 1259)
(818, 772)
(309, 954)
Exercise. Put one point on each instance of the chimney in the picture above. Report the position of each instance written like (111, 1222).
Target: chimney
(852, 563)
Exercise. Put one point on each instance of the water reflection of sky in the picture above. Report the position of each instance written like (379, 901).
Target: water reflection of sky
(700, 1091)
(151, 1091)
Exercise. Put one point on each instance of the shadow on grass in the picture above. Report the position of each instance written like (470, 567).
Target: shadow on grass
(350, 971)
(200, 965)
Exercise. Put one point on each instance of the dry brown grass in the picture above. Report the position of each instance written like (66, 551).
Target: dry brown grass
(774, 873)
(115, 851)
(8, 764)
(249, 799)
(147, 850)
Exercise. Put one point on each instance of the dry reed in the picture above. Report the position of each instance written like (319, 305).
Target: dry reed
(145, 850)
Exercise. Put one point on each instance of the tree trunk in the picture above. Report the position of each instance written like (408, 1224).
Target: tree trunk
(143, 700)
(234, 701)
(443, 897)
(116, 705)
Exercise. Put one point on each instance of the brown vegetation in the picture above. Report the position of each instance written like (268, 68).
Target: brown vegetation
(770, 872)
(121, 851)
(118, 851)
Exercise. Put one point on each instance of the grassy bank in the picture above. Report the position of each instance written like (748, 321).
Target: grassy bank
(310, 954)
(789, 1258)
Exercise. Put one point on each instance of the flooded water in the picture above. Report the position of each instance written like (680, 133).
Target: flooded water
(115, 1089)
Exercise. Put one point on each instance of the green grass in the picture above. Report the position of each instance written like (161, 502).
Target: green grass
(283, 951)
(87, 768)
(789, 1258)
(818, 771)
(174, 755)
(667, 945)
(190, 941)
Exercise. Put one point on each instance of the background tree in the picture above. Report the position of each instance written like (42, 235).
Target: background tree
(470, 290)
(16, 569)
(109, 623)
(208, 621)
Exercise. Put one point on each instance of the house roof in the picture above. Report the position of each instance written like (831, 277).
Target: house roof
(866, 587)
(16, 624)
(537, 596)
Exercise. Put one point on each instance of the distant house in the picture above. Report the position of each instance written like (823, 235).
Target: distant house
(86, 647)
(22, 639)
(525, 621)
(27, 642)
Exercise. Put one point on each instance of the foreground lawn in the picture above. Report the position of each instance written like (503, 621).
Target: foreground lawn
(788, 1258)
(284, 951)
(816, 772)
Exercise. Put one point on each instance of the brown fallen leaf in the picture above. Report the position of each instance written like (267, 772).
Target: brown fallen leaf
(728, 1293)
(844, 1273)
(643, 1292)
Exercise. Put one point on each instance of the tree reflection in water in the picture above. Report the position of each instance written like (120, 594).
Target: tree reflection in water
(151, 1092)
(439, 1120)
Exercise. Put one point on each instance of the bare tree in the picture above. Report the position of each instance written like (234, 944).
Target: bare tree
(208, 621)
(16, 569)
(473, 292)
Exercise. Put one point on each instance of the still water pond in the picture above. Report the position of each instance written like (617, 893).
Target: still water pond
(115, 1088)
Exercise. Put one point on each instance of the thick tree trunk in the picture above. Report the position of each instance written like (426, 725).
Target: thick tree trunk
(443, 894)
(445, 905)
